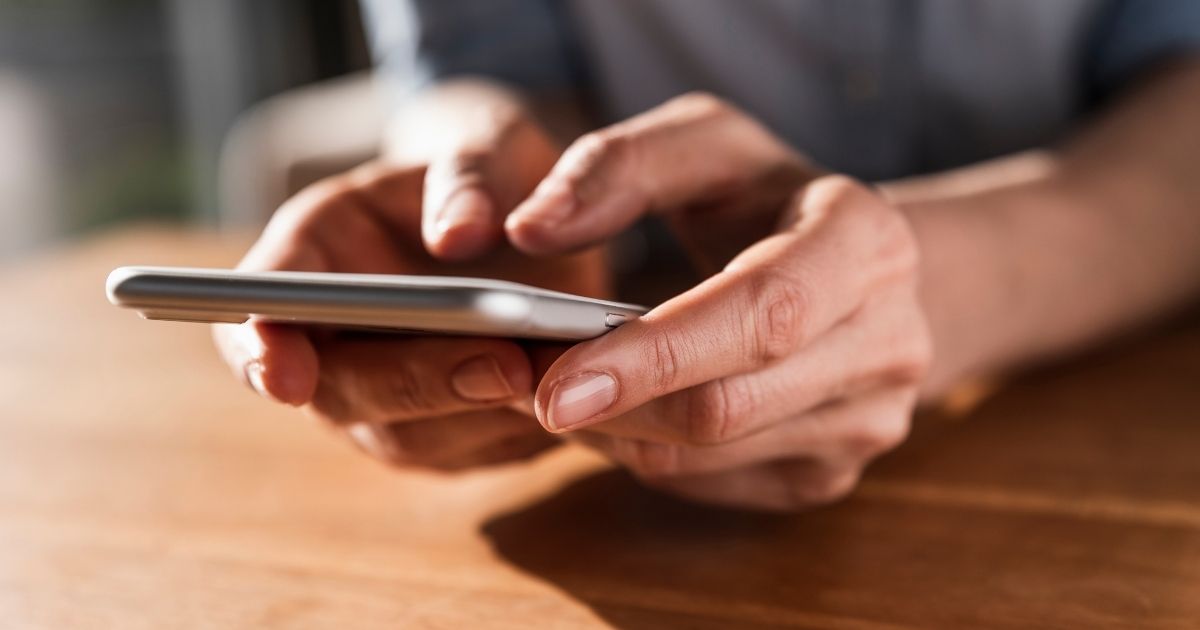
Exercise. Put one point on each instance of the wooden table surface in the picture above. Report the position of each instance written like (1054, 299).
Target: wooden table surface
(141, 487)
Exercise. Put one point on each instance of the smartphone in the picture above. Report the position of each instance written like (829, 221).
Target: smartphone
(395, 303)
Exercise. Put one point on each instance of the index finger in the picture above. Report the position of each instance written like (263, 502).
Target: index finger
(692, 149)
(771, 301)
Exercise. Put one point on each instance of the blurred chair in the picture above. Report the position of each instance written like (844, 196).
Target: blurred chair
(295, 138)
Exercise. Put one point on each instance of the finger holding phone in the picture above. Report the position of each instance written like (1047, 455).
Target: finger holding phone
(770, 385)
(441, 402)
(775, 381)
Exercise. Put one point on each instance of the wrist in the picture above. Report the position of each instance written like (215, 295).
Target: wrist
(975, 286)
(954, 270)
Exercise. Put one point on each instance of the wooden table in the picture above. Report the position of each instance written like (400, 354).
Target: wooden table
(141, 487)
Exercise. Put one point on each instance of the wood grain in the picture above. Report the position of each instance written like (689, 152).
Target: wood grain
(141, 487)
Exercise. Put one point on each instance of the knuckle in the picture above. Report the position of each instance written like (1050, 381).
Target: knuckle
(904, 347)
(779, 302)
(921, 359)
(886, 247)
(909, 370)
(838, 192)
(703, 103)
(718, 411)
(912, 354)
(878, 434)
(891, 431)
(664, 358)
(594, 160)
(596, 149)
(849, 203)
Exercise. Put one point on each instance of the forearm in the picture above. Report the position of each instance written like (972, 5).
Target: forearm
(1045, 252)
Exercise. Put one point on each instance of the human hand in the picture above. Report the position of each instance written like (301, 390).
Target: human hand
(775, 381)
(438, 402)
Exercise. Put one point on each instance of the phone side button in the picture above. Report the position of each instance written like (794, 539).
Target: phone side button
(612, 320)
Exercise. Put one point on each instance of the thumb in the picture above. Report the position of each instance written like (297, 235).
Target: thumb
(690, 150)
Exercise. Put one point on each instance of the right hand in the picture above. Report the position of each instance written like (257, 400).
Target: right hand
(441, 402)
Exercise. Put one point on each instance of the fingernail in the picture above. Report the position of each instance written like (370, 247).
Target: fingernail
(480, 379)
(467, 205)
(254, 376)
(580, 397)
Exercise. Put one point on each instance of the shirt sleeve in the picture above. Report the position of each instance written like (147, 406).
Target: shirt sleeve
(1134, 35)
(521, 42)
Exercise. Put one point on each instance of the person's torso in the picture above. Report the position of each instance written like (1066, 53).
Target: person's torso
(875, 88)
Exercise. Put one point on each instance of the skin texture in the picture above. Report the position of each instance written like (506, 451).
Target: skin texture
(830, 309)
(772, 383)
(445, 403)
(1053, 250)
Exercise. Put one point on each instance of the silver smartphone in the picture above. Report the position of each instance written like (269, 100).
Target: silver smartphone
(416, 304)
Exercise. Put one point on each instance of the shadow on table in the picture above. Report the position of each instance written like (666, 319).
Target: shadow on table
(644, 560)
(1114, 423)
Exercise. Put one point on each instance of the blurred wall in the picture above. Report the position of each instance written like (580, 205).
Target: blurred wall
(28, 170)
(114, 110)
(86, 114)
(231, 54)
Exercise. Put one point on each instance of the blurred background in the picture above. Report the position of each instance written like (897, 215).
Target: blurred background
(166, 110)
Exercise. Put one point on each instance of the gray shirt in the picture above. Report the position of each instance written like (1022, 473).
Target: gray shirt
(875, 88)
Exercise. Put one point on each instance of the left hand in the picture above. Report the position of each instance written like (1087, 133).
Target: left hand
(441, 402)
(775, 381)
